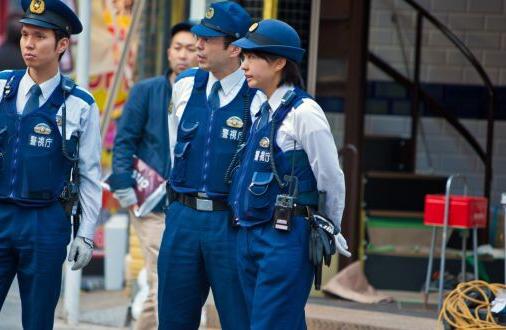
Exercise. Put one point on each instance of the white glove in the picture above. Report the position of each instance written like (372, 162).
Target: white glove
(82, 248)
(126, 197)
(342, 246)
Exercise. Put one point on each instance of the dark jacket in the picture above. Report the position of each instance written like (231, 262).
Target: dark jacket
(143, 131)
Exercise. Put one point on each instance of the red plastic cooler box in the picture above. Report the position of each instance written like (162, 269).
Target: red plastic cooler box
(465, 211)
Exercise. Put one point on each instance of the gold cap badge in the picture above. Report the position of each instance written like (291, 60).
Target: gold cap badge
(253, 27)
(235, 122)
(265, 143)
(37, 7)
(42, 129)
(210, 13)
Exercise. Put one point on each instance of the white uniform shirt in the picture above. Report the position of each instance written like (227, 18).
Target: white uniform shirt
(82, 118)
(308, 126)
(182, 90)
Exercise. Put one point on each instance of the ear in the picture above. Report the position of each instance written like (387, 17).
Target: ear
(63, 45)
(234, 51)
(279, 64)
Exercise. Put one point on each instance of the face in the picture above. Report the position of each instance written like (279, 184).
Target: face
(212, 54)
(260, 73)
(39, 48)
(182, 53)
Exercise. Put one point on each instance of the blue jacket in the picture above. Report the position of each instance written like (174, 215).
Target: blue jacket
(143, 131)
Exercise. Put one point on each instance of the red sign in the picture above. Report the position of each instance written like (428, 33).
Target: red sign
(465, 211)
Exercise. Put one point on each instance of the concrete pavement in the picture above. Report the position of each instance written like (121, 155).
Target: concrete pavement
(107, 310)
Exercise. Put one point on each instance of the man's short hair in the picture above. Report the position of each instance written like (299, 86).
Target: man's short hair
(183, 26)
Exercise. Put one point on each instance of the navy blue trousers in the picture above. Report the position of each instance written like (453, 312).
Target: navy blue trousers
(33, 245)
(198, 252)
(276, 275)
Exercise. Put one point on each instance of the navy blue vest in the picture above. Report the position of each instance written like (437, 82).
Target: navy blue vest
(33, 169)
(207, 140)
(254, 187)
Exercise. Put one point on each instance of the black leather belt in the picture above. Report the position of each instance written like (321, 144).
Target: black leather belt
(300, 211)
(202, 204)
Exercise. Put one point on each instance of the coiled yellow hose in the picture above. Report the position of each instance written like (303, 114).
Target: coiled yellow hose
(458, 315)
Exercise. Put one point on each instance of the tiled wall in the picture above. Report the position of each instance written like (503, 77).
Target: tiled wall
(440, 150)
(480, 24)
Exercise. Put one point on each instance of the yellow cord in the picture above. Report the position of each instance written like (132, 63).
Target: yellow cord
(456, 313)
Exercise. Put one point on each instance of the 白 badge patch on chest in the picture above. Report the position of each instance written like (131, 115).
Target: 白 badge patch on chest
(42, 128)
(235, 122)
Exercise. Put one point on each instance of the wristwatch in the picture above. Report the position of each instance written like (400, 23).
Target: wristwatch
(88, 242)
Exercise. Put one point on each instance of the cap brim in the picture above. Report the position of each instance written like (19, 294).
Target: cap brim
(36, 22)
(245, 43)
(203, 31)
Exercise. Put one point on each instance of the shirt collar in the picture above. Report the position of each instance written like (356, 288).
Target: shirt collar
(47, 87)
(277, 96)
(229, 82)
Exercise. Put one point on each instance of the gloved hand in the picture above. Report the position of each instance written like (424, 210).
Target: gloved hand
(322, 242)
(82, 249)
(342, 246)
(126, 197)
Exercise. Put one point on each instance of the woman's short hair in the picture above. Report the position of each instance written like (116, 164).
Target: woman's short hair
(290, 74)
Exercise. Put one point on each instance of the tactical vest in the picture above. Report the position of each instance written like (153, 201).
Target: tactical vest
(255, 187)
(207, 140)
(33, 169)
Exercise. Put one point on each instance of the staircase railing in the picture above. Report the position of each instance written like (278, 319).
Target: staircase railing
(418, 94)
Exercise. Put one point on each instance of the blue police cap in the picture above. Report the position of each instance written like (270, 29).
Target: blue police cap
(274, 37)
(51, 14)
(222, 19)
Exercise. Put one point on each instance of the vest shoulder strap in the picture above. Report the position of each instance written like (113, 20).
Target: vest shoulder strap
(201, 78)
(67, 84)
(291, 99)
(12, 77)
(186, 73)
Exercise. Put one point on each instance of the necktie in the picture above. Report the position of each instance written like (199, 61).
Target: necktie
(214, 98)
(264, 116)
(33, 101)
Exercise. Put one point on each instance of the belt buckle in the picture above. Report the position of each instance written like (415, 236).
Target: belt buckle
(204, 204)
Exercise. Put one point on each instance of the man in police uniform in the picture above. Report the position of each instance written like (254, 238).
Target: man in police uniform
(143, 132)
(46, 123)
(211, 115)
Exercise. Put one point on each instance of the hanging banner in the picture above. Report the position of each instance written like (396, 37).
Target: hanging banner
(110, 22)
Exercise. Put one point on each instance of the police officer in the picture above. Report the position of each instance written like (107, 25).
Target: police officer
(45, 123)
(290, 156)
(143, 132)
(211, 115)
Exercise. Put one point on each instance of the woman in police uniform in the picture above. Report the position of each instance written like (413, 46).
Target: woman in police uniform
(289, 158)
